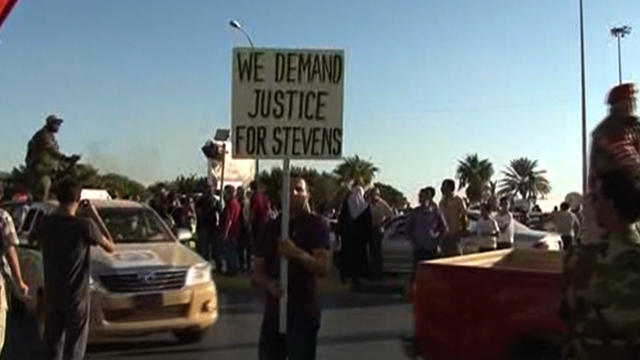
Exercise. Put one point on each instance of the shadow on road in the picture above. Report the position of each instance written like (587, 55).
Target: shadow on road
(322, 341)
(116, 345)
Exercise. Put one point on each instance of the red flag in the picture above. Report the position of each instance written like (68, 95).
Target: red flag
(5, 9)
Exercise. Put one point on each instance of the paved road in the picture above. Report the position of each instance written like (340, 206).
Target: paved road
(365, 325)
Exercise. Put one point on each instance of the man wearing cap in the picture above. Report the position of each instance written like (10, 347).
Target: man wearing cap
(44, 158)
(615, 145)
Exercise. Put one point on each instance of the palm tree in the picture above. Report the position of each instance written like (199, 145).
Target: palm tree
(355, 170)
(523, 178)
(474, 174)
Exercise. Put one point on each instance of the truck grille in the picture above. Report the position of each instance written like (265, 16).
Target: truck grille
(144, 280)
(140, 314)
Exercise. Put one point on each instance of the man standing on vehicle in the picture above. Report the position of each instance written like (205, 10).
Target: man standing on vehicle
(601, 306)
(425, 228)
(380, 213)
(455, 213)
(44, 158)
(505, 223)
(66, 241)
(307, 249)
(230, 229)
(8, 244)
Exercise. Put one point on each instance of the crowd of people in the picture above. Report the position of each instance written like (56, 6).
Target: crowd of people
(226, 225)
(601, 241)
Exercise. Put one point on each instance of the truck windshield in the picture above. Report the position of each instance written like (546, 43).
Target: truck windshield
(134, 225)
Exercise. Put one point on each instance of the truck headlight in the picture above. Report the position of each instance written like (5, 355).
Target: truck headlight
(94, 285)
(199, 274)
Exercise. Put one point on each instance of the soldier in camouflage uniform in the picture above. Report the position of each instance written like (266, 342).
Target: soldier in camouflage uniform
(44, 159)
(602, 295)
(615, 144)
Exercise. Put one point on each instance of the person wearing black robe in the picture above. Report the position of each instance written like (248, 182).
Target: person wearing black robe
(355, 233)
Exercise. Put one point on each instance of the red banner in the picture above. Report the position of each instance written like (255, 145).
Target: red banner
(5, 9)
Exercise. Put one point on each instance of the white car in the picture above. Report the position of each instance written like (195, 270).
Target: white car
(397, 252)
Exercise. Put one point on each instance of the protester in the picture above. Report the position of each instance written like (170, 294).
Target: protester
(230, 228)
(258, 212)
(487, 229)
(354, 224)
(44, 159)
(8, 244)
(504, 218)
(425, 228)
(567, 225)
(244, 232)
(615, 144)
(307, 250)
(380, 213)
(455, 214)
(601, 307)
(206, 225)
(66, 240)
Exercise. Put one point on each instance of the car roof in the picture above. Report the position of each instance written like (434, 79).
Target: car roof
(50, 205)
(110, 204)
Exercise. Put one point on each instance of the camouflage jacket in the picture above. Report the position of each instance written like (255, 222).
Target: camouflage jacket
(43, 153)
(602, 297)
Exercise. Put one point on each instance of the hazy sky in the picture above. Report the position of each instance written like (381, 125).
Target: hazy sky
(143, 83)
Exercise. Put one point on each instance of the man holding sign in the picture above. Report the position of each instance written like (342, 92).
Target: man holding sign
(287, 104)
(307, 249)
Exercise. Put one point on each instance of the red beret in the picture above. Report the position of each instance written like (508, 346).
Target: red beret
(620, 93)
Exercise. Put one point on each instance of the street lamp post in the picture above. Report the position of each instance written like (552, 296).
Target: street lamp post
(620, 32)
(236, 25)
(584, 105)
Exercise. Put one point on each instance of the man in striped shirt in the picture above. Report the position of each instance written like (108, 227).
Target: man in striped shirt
(615, 145)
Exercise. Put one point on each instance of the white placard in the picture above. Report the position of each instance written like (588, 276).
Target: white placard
(287, 103)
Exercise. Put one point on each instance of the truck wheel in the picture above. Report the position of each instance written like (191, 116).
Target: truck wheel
(535, 347)
(190, 336)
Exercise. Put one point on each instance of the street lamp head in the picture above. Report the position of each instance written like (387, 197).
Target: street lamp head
(235, 24)
(621, 31)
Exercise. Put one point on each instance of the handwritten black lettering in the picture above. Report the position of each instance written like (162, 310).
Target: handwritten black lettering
(278, 107)
(280, 67)
(261, 146)
(256, 107)
(321, 104)
(296, 141)
(258, 66)
(251, 140)
(337, 138)
(238, 133)
(291, 68)
(276, 148)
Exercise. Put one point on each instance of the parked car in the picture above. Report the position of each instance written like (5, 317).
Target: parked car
(397, 252)
(152, 283)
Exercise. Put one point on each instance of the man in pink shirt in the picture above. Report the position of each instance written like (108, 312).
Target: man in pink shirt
(230, 228)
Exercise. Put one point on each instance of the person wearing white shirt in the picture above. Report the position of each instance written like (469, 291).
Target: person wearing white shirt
(505, 223)
(567, 225)
(487, 228)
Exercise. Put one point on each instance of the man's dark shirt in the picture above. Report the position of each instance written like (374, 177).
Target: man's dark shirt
(66, 242)
(308, 232)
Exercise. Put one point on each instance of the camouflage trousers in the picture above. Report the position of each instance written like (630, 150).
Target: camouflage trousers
(40, 187)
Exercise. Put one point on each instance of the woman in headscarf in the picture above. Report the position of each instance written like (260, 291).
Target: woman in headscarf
(355, 233)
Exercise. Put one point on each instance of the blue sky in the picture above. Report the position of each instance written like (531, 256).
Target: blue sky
(142, 84)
